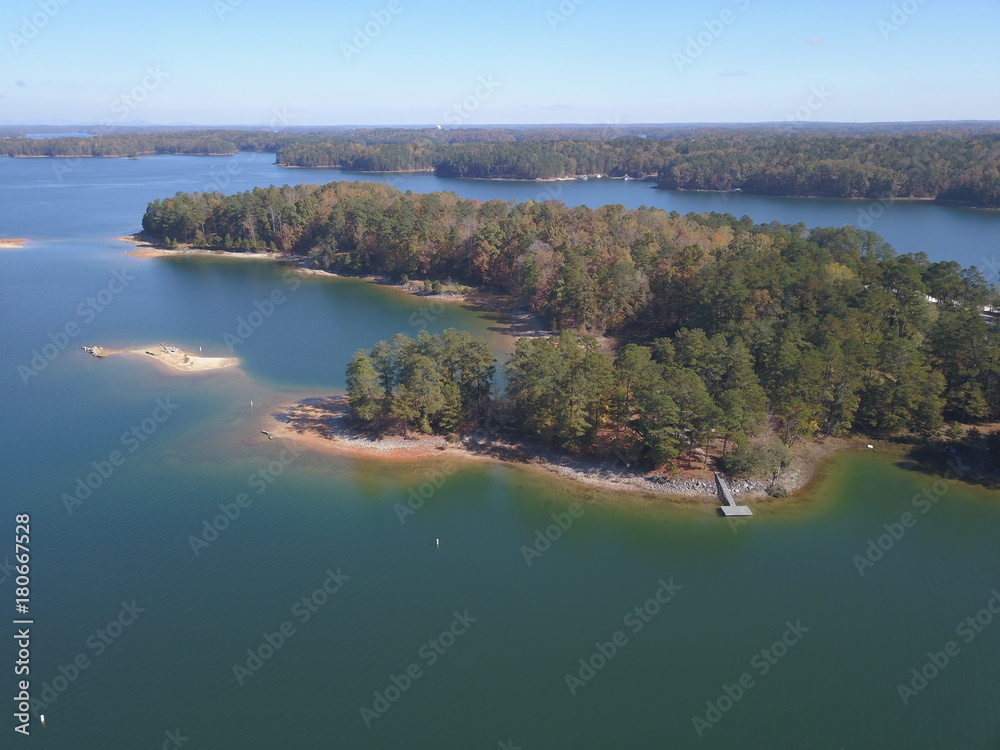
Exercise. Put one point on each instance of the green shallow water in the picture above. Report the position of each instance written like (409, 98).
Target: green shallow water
(505, 677)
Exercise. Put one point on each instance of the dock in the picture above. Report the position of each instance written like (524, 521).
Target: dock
(729, 507)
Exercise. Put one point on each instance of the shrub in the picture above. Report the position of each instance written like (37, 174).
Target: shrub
(758, 458)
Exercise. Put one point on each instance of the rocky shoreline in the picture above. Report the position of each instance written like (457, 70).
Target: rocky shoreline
(323, 423)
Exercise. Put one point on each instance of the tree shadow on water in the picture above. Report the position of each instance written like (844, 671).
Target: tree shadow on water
(951, 460)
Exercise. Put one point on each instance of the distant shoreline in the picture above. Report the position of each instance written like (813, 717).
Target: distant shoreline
(568, 178)
(355, 171)
(12, 243)
(113, 156)
(432, 170)
(805, 197)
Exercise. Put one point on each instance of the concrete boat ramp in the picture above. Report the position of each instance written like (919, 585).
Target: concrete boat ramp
(729, 507)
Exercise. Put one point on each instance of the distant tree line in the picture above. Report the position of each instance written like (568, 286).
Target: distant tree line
(137, 144)
(306, 147)
(512, 158)
(954, 165)
(821, 331)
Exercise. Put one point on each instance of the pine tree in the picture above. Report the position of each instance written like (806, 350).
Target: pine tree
(364, 393)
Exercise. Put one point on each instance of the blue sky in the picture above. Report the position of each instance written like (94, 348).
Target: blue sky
(302, 62)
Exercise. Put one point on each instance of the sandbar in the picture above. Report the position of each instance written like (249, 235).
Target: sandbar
(182, 361)
(172, 357)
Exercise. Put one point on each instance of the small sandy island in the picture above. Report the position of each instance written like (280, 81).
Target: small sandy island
(12, 243)
(171, 356)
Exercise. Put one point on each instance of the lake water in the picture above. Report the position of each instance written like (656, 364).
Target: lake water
(46, 136)
(192, 611)
(969, 236)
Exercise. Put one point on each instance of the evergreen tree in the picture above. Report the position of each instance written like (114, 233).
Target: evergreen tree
(364, 391)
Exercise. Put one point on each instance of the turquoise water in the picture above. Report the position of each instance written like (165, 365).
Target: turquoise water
(294, 518)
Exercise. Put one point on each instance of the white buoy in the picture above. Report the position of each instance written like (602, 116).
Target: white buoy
(42, 717)
(251, 406)
(438, 542)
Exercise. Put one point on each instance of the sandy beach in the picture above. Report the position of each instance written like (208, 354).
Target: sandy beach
(147, 249)
(174, 358)
(12, 243)
(182, 361)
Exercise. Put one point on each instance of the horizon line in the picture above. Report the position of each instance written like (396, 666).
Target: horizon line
(494, 126)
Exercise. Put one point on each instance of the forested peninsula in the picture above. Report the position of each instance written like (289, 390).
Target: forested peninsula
(949, 164)
(948, 167)
(676, 331)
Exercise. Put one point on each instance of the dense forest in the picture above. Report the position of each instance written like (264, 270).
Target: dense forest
(436, 383)
(952, 167)
(137, 144)
(313, 147)
(955, 165)
(837, 331)
(652, 402)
